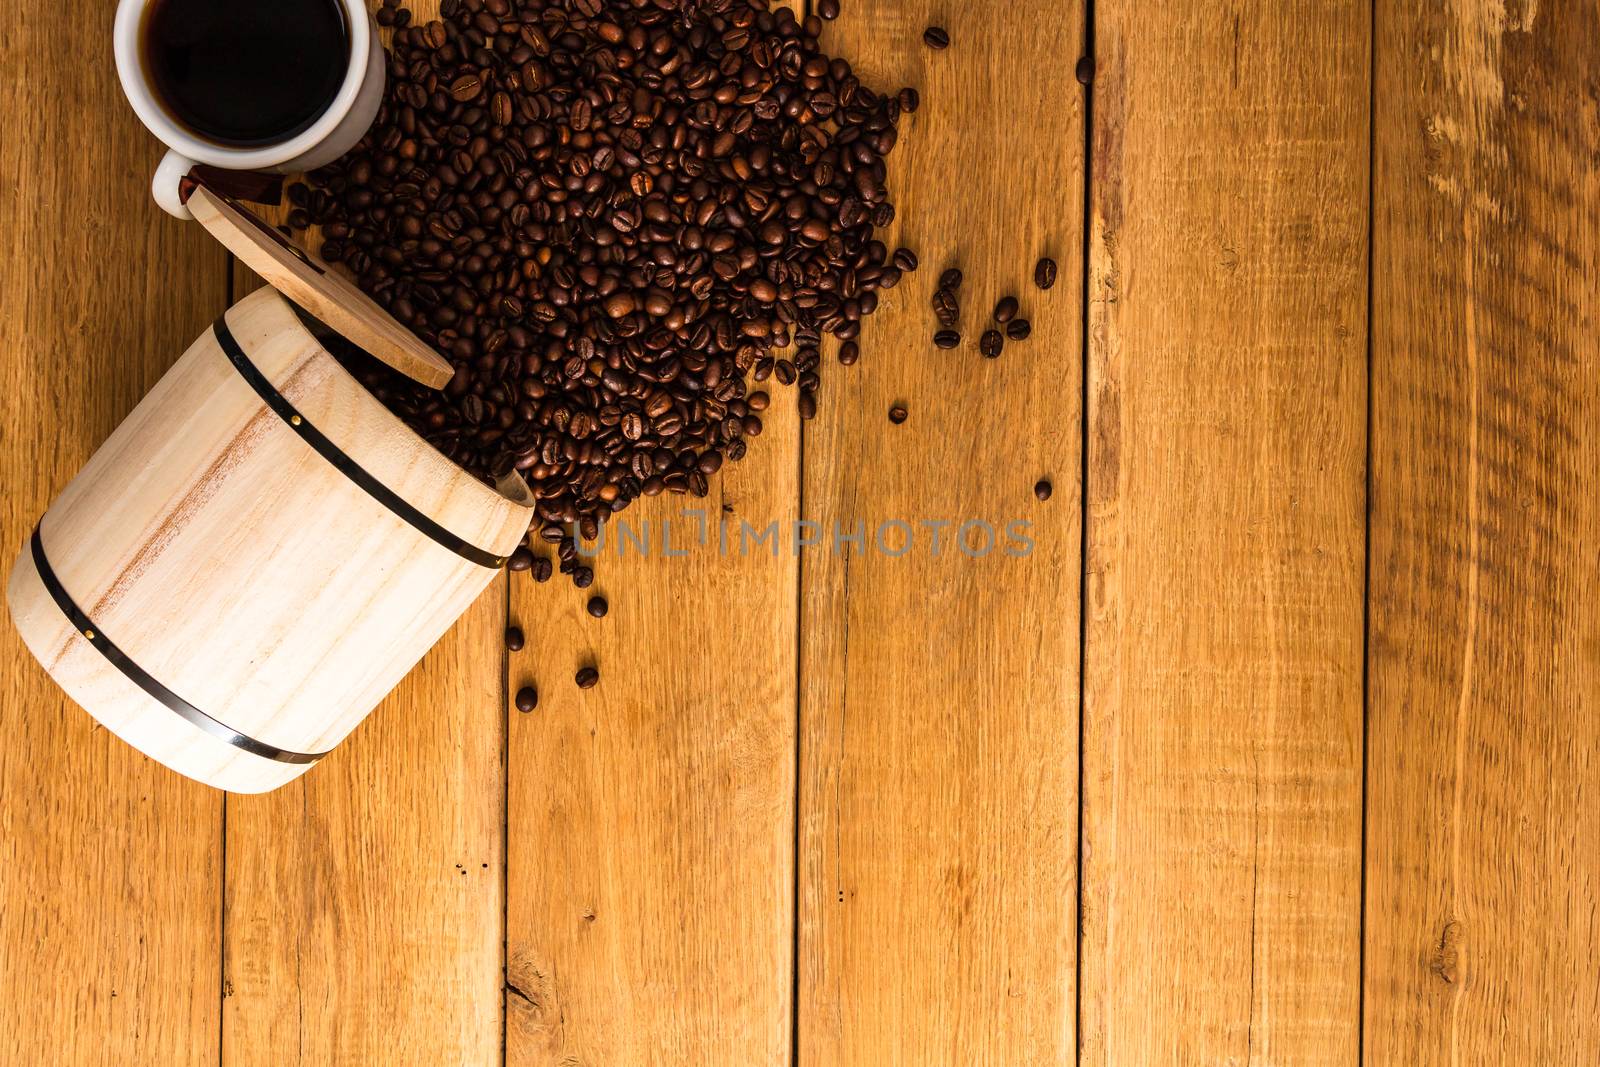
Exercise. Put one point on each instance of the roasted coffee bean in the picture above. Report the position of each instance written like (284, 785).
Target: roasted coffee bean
(514, 639)
(598, 606)
(520, 560)
(828, 9)
(527, 699)
(905, 260)
(587, 677)
(849, 352)
(1005, 310)
(947, 338)
(1085, 70)
(945, 307)
(909, 100)
(1018, 329)
(991, 343)
(951, 279)
(582, 577)
(1042, 489)
(1044, 273)
(936, 37)
(611, 218)
(897, 414)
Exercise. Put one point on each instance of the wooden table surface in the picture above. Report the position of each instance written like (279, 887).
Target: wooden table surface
(1282, 746)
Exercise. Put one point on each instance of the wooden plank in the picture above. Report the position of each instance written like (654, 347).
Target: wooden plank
(651, 818)
(939, 716)
(1223, 673)
(365, 902)
(1483, 850)
(109, 877)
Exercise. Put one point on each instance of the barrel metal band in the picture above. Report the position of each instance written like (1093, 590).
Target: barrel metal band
(341, 462)
(139, 677)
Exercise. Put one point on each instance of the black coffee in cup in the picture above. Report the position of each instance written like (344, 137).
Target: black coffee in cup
(245, 73)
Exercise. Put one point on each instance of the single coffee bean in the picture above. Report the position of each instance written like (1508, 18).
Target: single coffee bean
(1042, 489)
(849, 352)
(945, 307)
(935, 37)
(520, 560)
(828, 9)
(1018, 329)
(1005, 310)
(514, 638)
(807, 404)
(527, 699)
(991, 343)
(905, 260)
(542, 569)
(587, 677)
(598, 606)
(897, 414)
(583, 577)
(1044, 273)
(909, 100)
(950, 279)
(947, 338)
(1085, 70)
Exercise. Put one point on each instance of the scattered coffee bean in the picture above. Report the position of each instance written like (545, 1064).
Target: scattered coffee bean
(1005, 310)
(828, 9)
(1018, 329)
(905, 260)
(849, 352)
(514, 638)
(936, 37)
(527, 699)
(991, 343)
(947, 338)
(587, 677)
(541, 569)
(951, 279)
(1044, 273)
(946, 308)
(1042, 489)
(598, 606)
(909, 99)
(582, 577)
(1085, 70)
(520, 559)
(897, 414)
(608, 217)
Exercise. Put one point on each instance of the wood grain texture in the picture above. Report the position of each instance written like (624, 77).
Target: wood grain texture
(1483, 850)
(109, 880)
(651, 842)
(1223, 677)
(939, 713)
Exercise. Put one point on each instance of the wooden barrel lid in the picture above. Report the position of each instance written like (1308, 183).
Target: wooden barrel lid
(316, 287)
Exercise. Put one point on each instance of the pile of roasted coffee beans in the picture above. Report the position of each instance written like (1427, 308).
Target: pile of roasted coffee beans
(611, 216)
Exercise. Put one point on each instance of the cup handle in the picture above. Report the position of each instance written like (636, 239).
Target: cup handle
(164, 186)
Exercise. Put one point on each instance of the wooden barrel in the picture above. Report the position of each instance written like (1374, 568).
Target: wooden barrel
(255, 557)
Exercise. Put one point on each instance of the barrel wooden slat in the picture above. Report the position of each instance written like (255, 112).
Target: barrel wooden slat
(243, 570)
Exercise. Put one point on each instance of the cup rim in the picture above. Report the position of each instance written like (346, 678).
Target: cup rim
(136, 86)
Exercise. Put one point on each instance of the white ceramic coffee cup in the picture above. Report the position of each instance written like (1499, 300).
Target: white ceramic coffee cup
(334, 133)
